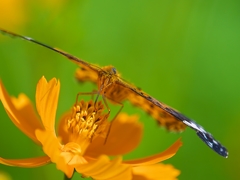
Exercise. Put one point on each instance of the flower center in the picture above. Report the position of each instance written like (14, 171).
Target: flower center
(85, 123)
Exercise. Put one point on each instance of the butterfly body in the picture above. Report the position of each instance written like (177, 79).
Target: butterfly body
(113, 87)
(107, 77)
(118, 90)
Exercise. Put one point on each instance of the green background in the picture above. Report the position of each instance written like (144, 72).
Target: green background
(184, 53)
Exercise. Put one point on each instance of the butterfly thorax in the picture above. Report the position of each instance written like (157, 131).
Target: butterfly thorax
(106, 78)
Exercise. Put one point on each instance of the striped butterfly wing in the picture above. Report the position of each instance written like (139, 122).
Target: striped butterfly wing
(172, 119)
(83, 64)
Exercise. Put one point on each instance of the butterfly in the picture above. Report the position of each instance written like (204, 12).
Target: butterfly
(113, 87)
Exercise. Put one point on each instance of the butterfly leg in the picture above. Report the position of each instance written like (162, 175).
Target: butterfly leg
(105, 102)
(87, 93)
(94, 92)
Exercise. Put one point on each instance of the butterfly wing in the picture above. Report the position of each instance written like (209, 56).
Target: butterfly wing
(158, 110)
(74, 59)
(85, 74)
(170, 118)
(87, 67)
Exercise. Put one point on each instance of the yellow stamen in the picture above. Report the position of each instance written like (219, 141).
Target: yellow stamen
(85, 123)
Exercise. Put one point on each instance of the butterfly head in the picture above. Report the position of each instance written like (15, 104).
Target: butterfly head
(111, 70)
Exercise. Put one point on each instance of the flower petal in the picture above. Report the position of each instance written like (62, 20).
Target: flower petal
(46, 100)
(27, 163)
(20, 110)
(155, 172)
(52, 148)
(171, 151)
(118, 141)
(104, 169)
(63, 129)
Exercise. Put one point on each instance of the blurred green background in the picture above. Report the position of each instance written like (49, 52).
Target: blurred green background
(184, 53)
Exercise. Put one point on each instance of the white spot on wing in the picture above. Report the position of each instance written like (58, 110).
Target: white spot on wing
(28, 38)
(194, 126)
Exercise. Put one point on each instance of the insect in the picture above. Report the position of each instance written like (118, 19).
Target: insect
(113, 87)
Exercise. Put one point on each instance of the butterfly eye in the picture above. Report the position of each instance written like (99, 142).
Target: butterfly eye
(114, 70)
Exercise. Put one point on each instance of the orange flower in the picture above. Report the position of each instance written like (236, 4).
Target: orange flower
(80, 142)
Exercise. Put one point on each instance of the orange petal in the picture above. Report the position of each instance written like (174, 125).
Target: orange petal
(155, 172)
(46, 100)
(52, 148)
(171, 151)
(118, 141)
(104, 169)
(26, 163)
(20, 110)
(62, 128)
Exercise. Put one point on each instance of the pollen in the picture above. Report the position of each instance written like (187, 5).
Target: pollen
(87, 121)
